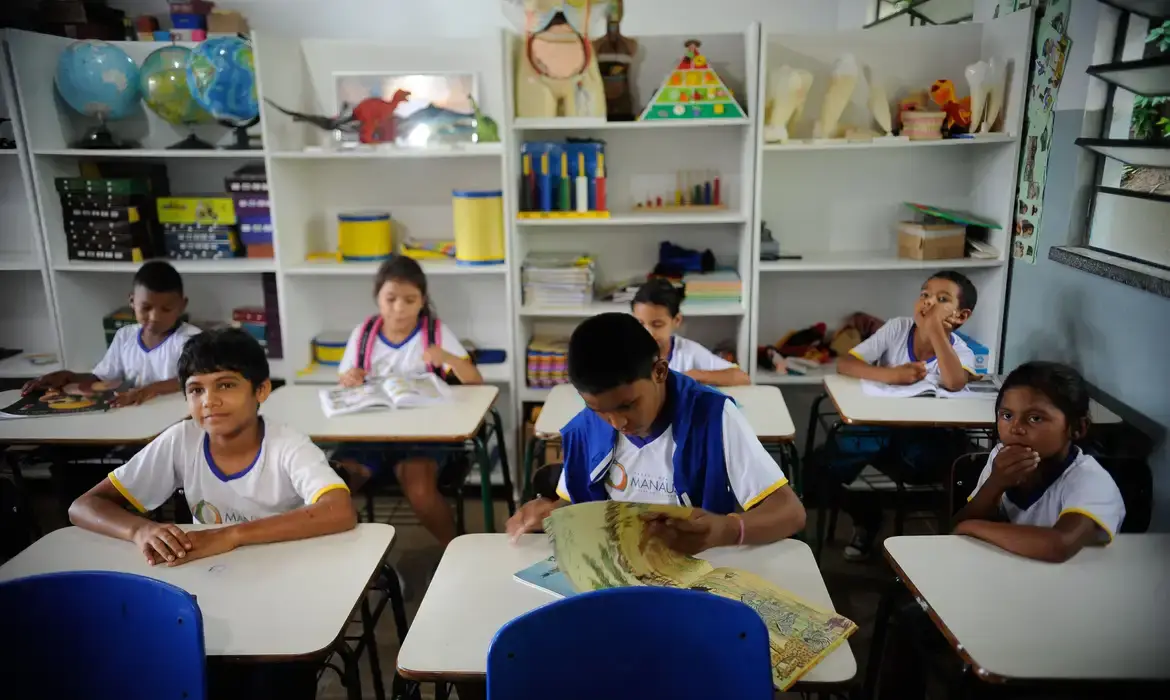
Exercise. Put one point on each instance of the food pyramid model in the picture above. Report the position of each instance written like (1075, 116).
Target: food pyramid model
(693, 90)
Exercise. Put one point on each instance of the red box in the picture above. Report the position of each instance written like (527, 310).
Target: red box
(261, 250)
(249, 314)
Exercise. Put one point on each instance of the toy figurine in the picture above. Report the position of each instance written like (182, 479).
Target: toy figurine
(787, 91)
(615, 58)
(486, 129)
(373, 116)
(958, 112)
(840, 89)
(557, 72)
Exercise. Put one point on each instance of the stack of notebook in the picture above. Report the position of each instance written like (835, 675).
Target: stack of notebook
(558, 279)
(718, 287)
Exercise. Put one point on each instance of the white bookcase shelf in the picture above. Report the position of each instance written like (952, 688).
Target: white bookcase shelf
(150, 153)
(868, 261)
(563, 124)
(885, 143)
(644, 218)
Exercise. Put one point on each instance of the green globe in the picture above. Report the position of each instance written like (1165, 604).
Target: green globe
(163, 80)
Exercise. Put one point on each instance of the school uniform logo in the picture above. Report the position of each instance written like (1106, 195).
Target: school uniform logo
(618, 478)
(207, 514)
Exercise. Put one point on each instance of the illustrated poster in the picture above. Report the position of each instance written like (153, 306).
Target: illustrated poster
(77, 397)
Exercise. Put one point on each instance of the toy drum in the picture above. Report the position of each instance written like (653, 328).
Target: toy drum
(363, 236)
(329, 347)
(923, 126)
(479, 227)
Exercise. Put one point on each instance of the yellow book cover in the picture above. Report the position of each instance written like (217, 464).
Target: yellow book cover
(605, 544)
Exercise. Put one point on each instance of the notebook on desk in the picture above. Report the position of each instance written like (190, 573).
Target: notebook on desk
(929, 388)
(545, 575)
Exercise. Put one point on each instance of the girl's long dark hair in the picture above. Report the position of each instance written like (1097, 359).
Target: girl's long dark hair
(401, 268)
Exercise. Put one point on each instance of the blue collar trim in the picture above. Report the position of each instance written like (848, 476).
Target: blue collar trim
(215, 468)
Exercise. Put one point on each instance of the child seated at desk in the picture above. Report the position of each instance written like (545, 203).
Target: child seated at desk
(404, 338)
(656, 306)
(1040, 496)
(906, 350)
(143, 355)
(652, 435)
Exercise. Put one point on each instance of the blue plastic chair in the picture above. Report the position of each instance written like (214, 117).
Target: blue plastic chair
(638, 642)
(99, 634)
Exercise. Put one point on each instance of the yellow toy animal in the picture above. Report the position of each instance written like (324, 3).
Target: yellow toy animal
(556, 67)
(958, 111)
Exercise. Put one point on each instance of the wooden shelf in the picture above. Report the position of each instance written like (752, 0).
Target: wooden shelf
(887, 144)
(1153, 154)
(1149, 77)
(870, 260)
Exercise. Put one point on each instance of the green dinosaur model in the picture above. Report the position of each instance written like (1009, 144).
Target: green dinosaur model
(486, 129)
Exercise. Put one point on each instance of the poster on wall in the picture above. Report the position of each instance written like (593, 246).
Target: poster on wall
(1052, 47)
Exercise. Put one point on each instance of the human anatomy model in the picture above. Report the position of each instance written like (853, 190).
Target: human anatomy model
(556, 72)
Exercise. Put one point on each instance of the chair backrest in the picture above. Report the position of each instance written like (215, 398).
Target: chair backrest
(965, 473)
(101, 634)
(638, 642)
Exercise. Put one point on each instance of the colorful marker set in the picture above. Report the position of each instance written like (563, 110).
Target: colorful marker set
(562, 180)
(693, 189)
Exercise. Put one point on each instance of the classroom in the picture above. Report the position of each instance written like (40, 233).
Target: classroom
(383, 349)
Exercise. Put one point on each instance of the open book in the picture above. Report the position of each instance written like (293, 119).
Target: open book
(92, 396)
(929, 388)
(388, 392)
(604, 544)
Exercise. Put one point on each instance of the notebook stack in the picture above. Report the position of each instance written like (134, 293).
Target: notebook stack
(199, 228)
(252, 319)
(547, 364)
(558, 279)
(108, 219)
(718, 287)
(248, 187)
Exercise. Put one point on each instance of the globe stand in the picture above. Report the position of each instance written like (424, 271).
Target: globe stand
(101, 138)
(191, 143)
(240, 139)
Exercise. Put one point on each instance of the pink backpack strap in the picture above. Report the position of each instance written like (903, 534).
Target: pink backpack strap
(369, 336)
(432, 335)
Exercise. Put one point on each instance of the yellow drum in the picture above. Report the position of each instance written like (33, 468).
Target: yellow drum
(329, 347)
(479, 227)
(363, 236)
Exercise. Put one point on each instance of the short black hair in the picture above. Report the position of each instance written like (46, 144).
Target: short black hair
(159, 277)
(609, 350)
(968, 295)
(659, 292)
(223, 350)
(1063, 385)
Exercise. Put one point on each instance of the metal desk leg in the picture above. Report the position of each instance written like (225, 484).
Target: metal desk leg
(535, 446)
(824, 483)
(350, 677)
(507, 469)
(873, 668)
(813, 419)
(485, 481)
(371, 645)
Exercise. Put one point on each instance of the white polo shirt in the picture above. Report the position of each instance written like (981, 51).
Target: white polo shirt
(643, 470)
(893, 345)
(403, 359)
(289, 472)
(135, 364)
(686, 355)
(1084, 487)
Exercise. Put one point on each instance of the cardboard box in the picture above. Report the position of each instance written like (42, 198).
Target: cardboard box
(931, 242)
(226, 22)
(982, 354)
(203, 211)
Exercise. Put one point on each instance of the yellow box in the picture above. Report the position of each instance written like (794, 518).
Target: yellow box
(365, 236)
(479, 227)
(929, 242)
(198, 211)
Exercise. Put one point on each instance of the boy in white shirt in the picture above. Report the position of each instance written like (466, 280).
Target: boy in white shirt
(263, 481)
(1040, 496)
(905, 350)
(143, 356)
(652, 435)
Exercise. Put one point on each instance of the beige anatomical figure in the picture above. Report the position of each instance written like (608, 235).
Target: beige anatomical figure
(879, 102)
(787, 91)
(556, 69)
(837, 94)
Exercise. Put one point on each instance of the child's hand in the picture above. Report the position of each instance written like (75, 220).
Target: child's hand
(353, 377)
(131, 397)
(161, 542)
(700, 532)
(1012, 465)
(52, 380)
(208, 543)
(435, 356)
(907, 374)
(530, 517)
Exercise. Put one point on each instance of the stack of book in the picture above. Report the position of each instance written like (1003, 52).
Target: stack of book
(198, 228)
(252, 319)
(558, 279)
(718, 287)
(124, 316)
(248, 187)
(108, 219)
(547, 364)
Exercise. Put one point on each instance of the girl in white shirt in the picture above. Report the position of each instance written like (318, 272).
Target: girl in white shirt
(404, 338)
(656, 306)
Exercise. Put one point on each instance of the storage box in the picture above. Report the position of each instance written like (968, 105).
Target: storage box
(261, 250)
(251, 206)
(982, 354)
(256, 232)
(204, 211)
(931, 242)
(226, 22)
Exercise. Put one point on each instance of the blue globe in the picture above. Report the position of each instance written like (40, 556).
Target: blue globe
(222, 79)
(98, 79)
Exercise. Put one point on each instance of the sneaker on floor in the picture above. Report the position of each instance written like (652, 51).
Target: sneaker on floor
(861, 546)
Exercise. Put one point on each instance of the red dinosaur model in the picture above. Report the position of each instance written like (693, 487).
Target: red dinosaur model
(373, 117)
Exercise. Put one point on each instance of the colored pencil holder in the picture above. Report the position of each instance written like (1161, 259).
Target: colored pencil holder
(479, 226)
(365, 236)
(328, 348)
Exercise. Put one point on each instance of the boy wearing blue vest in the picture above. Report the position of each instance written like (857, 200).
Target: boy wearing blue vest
(651, 435)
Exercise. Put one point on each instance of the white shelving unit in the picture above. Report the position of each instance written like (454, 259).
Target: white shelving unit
(836, 204)
(27, 315)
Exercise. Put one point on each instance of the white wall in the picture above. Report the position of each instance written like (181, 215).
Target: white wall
(463, 18)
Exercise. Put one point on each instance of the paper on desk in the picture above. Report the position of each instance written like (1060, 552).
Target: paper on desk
(928, 388)
(604, 544)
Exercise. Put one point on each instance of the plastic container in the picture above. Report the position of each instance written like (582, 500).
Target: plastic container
(364, 236)
(329, 347)
(479, 227)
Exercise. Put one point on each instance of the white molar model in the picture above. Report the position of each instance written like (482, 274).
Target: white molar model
(841, 85)
(879, 102)
(977, 80)
(788, 89)
(996, 79)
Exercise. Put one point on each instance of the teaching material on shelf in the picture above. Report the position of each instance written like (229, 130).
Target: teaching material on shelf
(928, 388)
(546, 361)
(253, 321)
(478, 221)
(329, 347)
(545, 576)
(197, 211)
(548, 172)
(390, 392)
(78, 397)
(604, 544)
(935, 215)
(110, 218)
(422, 249)
(200, 242)
(554, 81)
(981, 352)
(981, 250)
(693, 90)
(718, 287)
(931, 241)
(558, 279)
(692, 191)
(365, 236)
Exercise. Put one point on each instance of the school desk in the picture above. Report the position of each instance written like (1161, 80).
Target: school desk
(460, 421)
(763, 406)
(1101, 616)
(473, 594)
(854, 407)
(286, 601)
